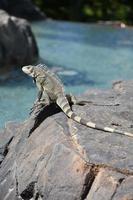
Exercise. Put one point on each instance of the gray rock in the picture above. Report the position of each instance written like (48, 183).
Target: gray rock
(105, 185)
(22, 8)
(58, 159)
(125, 190)
(36, 167)
(17, 43)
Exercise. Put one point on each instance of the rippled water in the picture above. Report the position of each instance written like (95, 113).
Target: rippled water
(97, 53)
(83, 55)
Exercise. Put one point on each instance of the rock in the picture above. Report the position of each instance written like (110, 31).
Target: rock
(105, 185)
(55, 158)
(112, 185)
(22, 8)
(17, 43)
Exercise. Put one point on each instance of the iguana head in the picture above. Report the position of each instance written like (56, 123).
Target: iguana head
(30, 70)
(34, 71)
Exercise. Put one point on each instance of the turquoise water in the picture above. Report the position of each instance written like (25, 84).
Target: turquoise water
(83, 55)
(99, 54)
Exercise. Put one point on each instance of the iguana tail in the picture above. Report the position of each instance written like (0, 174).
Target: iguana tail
(64, 105)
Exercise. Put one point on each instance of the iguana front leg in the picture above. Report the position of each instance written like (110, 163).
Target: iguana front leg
(39, 96)
(36, 103)
(42, 101)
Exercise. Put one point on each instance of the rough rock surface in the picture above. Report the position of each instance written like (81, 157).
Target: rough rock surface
(22, 8)
(54, 158)
(17, 43)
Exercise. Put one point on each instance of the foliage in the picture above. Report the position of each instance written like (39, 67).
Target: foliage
(88, 10)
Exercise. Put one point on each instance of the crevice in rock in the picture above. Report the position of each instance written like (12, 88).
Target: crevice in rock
(4, 150)
(122, 171)
(28, 193)
(121, 180)
(1, 158)
(38, 196)
(7, 147)
(89, 180)
(16, 178)
(90, 177)
(118, 185)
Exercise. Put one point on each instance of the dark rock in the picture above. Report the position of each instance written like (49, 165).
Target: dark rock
(22, 8)
(17, 43)
(58, 159)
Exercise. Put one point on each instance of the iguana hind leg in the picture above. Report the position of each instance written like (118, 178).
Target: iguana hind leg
(73, 100)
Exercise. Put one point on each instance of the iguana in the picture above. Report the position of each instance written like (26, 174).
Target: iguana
(51, 90)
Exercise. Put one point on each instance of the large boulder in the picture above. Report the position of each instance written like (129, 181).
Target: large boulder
(17, 42)
(22, 8)
(55, 158)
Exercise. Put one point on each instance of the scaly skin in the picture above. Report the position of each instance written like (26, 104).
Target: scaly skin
(51, 90)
